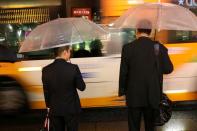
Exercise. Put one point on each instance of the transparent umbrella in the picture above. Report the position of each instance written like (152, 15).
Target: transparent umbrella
(163, 16)
(61, 32)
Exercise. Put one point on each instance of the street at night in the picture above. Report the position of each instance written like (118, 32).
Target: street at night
(127, 64)
(101, 120)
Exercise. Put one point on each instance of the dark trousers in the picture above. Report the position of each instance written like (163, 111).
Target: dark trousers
(64, 123)
(135, 115)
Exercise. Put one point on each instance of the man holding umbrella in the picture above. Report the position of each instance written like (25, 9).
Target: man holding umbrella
(61, 80)
(139, 79)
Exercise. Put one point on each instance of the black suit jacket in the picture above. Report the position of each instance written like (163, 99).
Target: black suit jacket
(60, 83)
(139, 79)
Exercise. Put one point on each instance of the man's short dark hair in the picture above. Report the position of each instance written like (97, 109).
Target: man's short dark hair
(58, 51)
(147, 31)
(144, 26)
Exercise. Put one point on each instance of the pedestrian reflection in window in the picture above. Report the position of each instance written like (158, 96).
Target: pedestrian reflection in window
(88, 49)
(95, 48)
(81, 52)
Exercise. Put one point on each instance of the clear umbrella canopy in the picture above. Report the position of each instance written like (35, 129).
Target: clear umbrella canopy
(61, 32)
(163, 16)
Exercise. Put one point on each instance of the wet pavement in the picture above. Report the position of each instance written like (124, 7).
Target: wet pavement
(181, 121)
(100, 120)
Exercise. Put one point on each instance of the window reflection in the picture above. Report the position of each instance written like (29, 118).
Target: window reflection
(171, 36)
(88, 49)
(11, 35)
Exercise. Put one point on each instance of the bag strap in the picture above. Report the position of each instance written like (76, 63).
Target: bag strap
(157, 51)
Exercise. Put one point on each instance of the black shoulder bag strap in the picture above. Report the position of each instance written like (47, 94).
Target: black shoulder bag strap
(157, 50)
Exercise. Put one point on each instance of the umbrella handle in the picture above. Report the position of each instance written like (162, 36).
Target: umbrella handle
(48, 125)
(155, 35)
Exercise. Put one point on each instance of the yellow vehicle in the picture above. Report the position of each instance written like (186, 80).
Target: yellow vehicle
(21, 85)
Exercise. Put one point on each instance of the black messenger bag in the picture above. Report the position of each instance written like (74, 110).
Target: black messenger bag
(164, 113)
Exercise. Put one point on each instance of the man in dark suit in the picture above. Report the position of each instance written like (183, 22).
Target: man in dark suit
(139, 79)
(61, 80)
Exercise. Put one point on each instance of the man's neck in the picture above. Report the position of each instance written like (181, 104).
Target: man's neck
(139, 34)
(59, 57)
(143, 35)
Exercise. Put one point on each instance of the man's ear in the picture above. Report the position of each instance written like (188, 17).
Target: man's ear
(65, 51)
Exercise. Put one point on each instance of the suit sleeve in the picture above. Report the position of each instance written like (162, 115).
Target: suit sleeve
(123, 72)
(79, 82)
(45, 88)
(166, 64)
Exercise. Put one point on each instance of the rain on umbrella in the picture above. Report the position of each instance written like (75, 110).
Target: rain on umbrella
(163, 16)
(61, 32)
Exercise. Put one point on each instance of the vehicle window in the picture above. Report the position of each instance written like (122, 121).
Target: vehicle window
(119, 37)
(11, 35)
(98, 48)
(182, 36)
(80, 50)
(88, 49)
